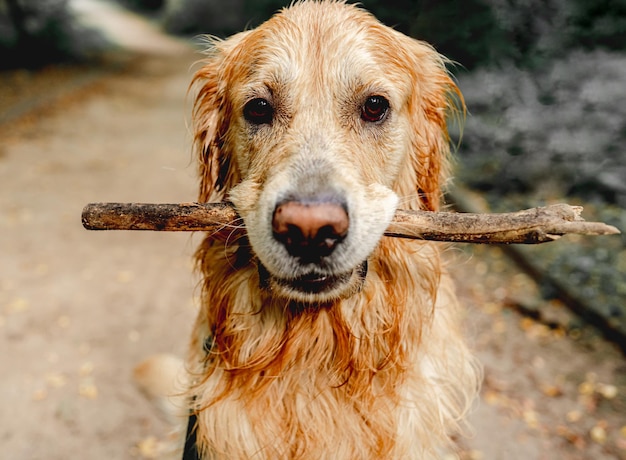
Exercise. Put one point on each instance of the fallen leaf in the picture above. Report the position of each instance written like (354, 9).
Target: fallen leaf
(492, 398)
(552, 391)
(586, 388)
(40, 395)
(55, 379)
(87, 389)
(17, 305)
(598, 434)
(86, 369)
(531, 418)
(574, 416)
(607, 391)
(570, 436)
(526, 324)
(491, 308)
(150, 447)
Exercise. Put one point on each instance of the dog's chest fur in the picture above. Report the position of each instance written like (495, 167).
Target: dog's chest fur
(344, 380)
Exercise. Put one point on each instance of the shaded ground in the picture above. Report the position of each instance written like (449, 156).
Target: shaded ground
(548, 393)
(79, 309)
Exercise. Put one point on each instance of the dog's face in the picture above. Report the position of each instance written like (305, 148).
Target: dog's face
(316, 125)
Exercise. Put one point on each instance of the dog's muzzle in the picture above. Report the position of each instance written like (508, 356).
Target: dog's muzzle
(311, 230)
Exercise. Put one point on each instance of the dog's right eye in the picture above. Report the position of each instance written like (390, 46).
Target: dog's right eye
(374, 109)
(258, 111)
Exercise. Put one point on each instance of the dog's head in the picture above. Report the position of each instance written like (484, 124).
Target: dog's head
(316, 125)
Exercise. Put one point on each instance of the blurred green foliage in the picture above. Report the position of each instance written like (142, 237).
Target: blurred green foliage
(34, 33)
(473, 33)
(599, 23)
(463, 30)
(144, 5)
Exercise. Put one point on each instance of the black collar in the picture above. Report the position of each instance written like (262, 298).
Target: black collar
(191, 449)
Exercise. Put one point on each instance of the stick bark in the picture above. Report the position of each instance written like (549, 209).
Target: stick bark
(530, 226)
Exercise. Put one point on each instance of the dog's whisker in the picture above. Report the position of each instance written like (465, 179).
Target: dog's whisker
(234, 226)
(406, 201)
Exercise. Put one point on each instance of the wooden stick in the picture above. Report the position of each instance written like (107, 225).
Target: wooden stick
(184, 217)
(530, 226)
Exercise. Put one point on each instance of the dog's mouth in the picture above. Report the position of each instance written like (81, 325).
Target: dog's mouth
(315, 286)
(315, 283)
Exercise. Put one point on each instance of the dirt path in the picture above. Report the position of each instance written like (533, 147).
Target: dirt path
(79, 309)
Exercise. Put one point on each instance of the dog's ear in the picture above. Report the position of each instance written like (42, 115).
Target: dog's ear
(212, 112)
(435, 99)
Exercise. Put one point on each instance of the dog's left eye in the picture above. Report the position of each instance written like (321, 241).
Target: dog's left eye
(374, 109)
(258, 111)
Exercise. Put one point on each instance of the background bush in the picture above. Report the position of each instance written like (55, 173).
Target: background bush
(474, 33)
(464, 30)
(34, 33)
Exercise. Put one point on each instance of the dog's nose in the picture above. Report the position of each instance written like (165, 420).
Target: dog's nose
(310, 230)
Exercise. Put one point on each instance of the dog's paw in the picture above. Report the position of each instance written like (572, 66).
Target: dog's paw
(163, 380)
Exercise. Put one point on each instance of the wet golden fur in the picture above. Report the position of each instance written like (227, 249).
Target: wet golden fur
(376, 368)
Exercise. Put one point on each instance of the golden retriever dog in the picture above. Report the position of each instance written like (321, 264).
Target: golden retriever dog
(318, 337)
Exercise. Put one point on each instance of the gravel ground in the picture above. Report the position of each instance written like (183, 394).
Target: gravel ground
(79, 309)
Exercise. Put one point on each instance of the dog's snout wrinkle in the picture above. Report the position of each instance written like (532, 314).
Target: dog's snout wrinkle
(310, 230)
